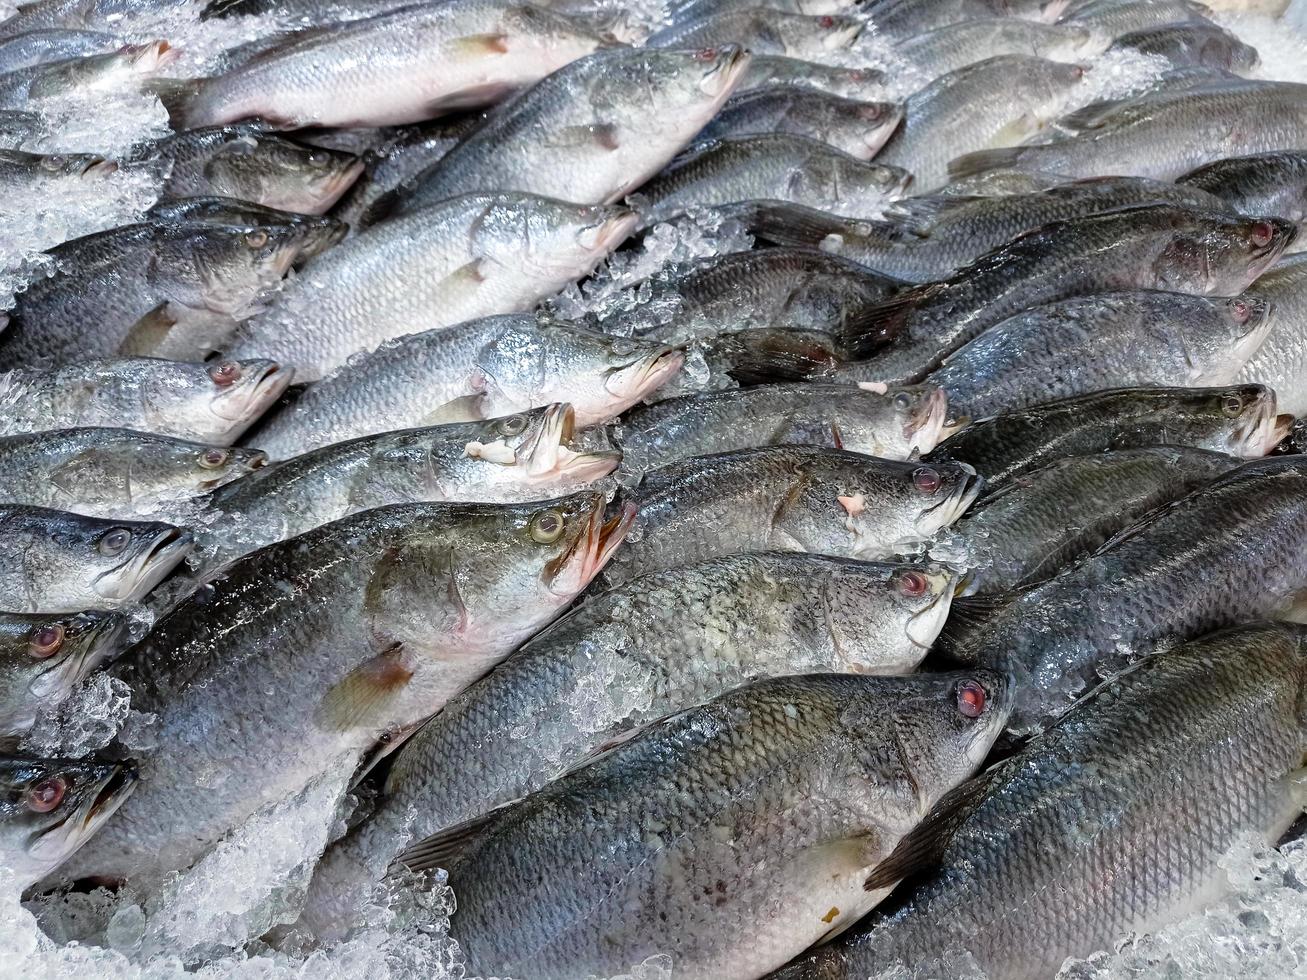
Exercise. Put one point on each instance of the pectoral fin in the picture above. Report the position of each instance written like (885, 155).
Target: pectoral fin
(362, 698)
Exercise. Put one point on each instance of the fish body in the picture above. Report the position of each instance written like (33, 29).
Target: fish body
(130, 67)
(859, 129)
(765, 30)
(1281, 362)
(52, 44)
(953, 46)
(1188, 45)
(1267, 183)
(765, 70)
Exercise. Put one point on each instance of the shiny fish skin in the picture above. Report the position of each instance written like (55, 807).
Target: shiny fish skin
(1112, 18)
(1240, 420)
(128, 68)
(1267, 183)
(811, 778)
(902, 19)
(683, 636)
(415, 601)
(1281, 363)
(859, 129)
(681, 11)
(790, 498)
(1187, 45)
(766, 31)
(955, 46)
(78, 14)
(315, 233)
(1116, 822)
(44, 46)
(765, 70)
(1040, 522)
(25, 177)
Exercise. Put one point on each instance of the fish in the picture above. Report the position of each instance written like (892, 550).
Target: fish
(700, 629)
(150, 289)
(790, 498)
(79, 14)
(43, 656)
(1147, 247)
(1192, 44)
(859, 129)
(401, 66)
(380, 619)
(1239, 420)
(959, 112)
(764, 30)
(130, 67)
(896, 424)
(1264, 183)
(1038, 523)
(29, 176)
(481, 369)
(469, 257)
(1140, 338)
(899, 20)
(775, 166)
(53, 561)
(591, 132)
(681, 11)
(245, 162)
(51, 807)
(1081, 831)
(41, 47)
(1281, 361)
(1166, 134)
(864, 84)
(518, 458)
(106, 472)
(313, 234)
(809, 779)
(1112, 18)
(954, 46)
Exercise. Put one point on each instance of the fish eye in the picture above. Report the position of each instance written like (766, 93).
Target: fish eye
(1242, 311)
(225, 373)
(926, 480)
(512, 425)
(1232, 405)
(902, 401)
(46, 641)
(55, 162)
(547, 526)
(706, 54)
(971, 699)
(319, 158)
(47, 794)
(256, 239)
(1261, 234)
(213, 458)
(114, 542)
(827, 22)
(913, 585)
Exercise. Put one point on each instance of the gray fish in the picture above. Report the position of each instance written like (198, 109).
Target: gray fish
(1192, 44)
(381, 618)
(51, 807)
(1239, 420)
(477, 370)
(591, 132)
(765, 70)
(1266, 183)
(955, 46)
(1112, 18)
(52, 561)
(1086, 832)
(468, 257)
(658, 645)
(680, 11)
(79, 14)
(904, 19)
(127, 68)
(695, 832)
(43, 656)
(26, 177)
(1039, 523)
(314, 233)
(859, 129)
(1281, 362)
(896, 424)
(776, 166)
(110, 473)
(44, 46)
(791, 498)
(766, 31)
(1108, 340)
(19, 128)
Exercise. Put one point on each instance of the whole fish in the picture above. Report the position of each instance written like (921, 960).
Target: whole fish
(1265, 183)
(765, 70)
(401, 66)
(1166, 134)
(777, 166)
(314, 233)
(477, 370)
(765, 30)
(44, 656)
(115, 472)
(1038, 523)
(791, 498)
(51, 807)
(383, 617)
(1174, 575)
(699, 828)
(1083, 830)
(591, 132)
(53, 561)
(953, 46)
(173, 291)
(659, 645)
(25, 177)
(896, 424)
(960, 111)
(127, 68)
(212, 403)
(1108, 340)
(249, 164)
(468, 257)
(1281, 362)
(1192, 44)
(53, 44)
(508, 460)
(859, 129)
(1150, 247)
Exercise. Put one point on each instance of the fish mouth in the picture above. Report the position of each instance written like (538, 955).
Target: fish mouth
(632, 382)
(99, 167)
(255, 459)
(723, 76)
(246, 403)
(548, 457)
(925, 427)
(925, 626)
(1260, 429)
(948, 510)
(592, 548)
(1052, 11)
(135, 580)
(152, 56)
(612, 231)
(332, 188)
(842, 38)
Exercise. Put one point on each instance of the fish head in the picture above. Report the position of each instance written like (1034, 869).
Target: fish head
(150, 57)
(940, 493)
(921, 411)
(237, 266)
(853, 595)
(1231, 54)
(51, 807)
(86, 165)
(684, 80)
(535, 449)
(1263, 240)
(549, 241)
(186, 468)
(129, 558)
(278, 173)
(1249, 320)
(1222, 255)
(878, 121)
(1243, 420)
(833, 32)
(232, 394)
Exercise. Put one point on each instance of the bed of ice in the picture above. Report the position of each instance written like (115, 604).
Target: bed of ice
(208, 922)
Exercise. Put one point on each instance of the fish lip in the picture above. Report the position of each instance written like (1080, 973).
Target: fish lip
(614, 230)
(139, 577)
(718, 81)
(947, 511)
(111, 794)
(634, 380)
(549, 458)
(270, 384)
(333, 188)
(99, 167)
(594, 545)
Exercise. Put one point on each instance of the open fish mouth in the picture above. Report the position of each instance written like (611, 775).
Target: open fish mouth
(133, 581)
(631, 383)
(592, 548)
(954, 505)
(732, 59)
(1260, 431)
(112, 794)
(99, 167)
(925, 428)
(547, 455)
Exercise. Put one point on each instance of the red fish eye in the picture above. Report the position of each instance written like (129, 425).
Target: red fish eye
(47, 794)
(46, 641)
(1242, 311)
(212, 458)
(926, 480)
(1261, 234)
(225, 373)
(827, 21)
(913, 584)
(971, 699)
(706, 54)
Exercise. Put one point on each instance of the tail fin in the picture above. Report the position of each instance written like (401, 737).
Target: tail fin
(781, 223)
(177, 95)
(879, 325)
(983, 161)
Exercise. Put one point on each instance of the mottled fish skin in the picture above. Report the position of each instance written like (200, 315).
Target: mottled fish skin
(812, 778)
(54, 561)
(1141, 338)
(591, 132)
(1186, 45)
(859, 129)
(53, 44)
(955, 46)
(1281, 363)
(1265, 183)
(791, 498)
(994, 102)
(127, 68)
(315, 233)
(681, 637)
(1039, 523)
(476, 370)
(896, 424)
(382, 618)
(468, 257)
(1115, 822)
(766, 31)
